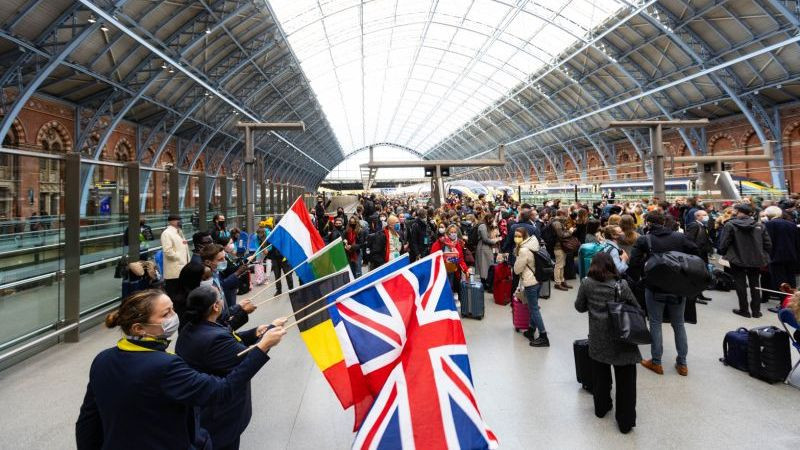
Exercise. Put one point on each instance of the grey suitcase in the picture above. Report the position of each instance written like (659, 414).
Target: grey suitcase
(544, 291)
(471, 297)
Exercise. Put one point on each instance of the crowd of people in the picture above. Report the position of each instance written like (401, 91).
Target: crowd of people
(141, 395)
(753, 242)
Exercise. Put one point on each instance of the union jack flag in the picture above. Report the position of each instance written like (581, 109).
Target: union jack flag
(407, 336)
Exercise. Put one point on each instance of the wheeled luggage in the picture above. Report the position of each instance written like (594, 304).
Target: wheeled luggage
(734, 348)
(471, 297)
(501, 287)
(768, 356)
(583, 364)
(570, 271)
(585, 254)
(521, 315)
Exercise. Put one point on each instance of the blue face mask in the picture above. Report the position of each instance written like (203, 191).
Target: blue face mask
(397, 227)
(222, 266)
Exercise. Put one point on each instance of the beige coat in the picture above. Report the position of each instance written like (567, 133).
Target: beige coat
(176, 252)
(525, 263)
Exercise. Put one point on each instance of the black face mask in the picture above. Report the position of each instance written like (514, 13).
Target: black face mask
(353, 224)
(221, 224)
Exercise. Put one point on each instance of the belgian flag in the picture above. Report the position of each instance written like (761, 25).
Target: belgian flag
(318, 333)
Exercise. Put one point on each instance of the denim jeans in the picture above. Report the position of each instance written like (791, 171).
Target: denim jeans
(532, 294)
(655, 312)
(355, 267)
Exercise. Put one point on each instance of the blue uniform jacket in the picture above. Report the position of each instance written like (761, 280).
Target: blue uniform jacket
(139, 396)
(211, 348)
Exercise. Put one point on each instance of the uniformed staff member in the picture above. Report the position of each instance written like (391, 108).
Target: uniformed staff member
(141, 396)
(211, 347)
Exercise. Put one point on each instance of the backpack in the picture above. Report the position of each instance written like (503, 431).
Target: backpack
(549, 236)
(675, 272)
(722, 281)
(585, 254)
(544, 265)
(473, 238)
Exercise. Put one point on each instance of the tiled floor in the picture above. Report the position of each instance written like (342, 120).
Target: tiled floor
(528, 396)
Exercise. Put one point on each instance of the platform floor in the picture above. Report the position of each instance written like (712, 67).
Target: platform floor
(528, 396)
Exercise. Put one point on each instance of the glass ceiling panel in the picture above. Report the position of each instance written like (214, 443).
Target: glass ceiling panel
(412, 72)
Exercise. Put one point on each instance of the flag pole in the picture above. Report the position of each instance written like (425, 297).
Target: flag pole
(774, 292)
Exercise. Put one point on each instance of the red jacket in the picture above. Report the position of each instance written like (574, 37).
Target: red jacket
(440, 243)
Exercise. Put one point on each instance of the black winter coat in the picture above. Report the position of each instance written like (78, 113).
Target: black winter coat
(785, 239)
(745, 243)
(698, 233)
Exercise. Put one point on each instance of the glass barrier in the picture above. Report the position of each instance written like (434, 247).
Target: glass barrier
(31, 245)
(103, 234)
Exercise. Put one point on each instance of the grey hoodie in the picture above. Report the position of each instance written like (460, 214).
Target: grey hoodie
(745, 243)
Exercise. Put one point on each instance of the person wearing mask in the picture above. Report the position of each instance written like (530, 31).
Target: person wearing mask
(697, 232)
(141, 396)
(235, 314)
(200, 240)
(176, 254)
(337, 231)
(386, 244)
(449, 242)
(746, 245)
(341, 215)
(525, 247)
(145, 235)
(212, 348)
(354, 239)
(785, 252)
(419, 240)
(559, 224)
(662, 239)
(235, 274)
(594, 293)
(219, 231)
(613, 235)
(525, 222)
(484, 252)
(593, 232)
(279, 266)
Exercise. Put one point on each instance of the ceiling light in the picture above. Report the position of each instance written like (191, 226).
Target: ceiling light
(91, 19)
(778, 86)
(163, 65)
(208, 30)
(755, 92)
(171, 70)
(103, 27)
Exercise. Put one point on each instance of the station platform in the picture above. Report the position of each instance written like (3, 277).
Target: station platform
(529, 396)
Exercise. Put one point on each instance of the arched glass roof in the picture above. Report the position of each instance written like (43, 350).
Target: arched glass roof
(413, 71)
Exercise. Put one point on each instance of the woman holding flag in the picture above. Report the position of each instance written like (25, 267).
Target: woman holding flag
(211, 348)
(141, 396)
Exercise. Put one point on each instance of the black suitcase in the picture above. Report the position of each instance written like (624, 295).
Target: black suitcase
(768, 356)
(583, 364)
(471, 298)
(490, 278)
(544, 291)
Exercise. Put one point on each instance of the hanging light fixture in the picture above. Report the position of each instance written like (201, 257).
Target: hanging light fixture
(91, 19)
(103, 27)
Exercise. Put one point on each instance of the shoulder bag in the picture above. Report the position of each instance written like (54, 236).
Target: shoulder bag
(627, 323)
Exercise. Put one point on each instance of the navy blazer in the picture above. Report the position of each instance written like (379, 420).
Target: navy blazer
(140, 396)
(211, 348)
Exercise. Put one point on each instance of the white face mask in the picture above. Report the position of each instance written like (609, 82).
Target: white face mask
(208, 282)
(169, 326)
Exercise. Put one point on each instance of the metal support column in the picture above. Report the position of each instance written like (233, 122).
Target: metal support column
(174, 190)
(263, 188)
(223, 195)
(249, 181)
(272, 196)
(286, 197)
(202, 207)
(659, 184)
(240, 199)
(133, 211)
(72, 244)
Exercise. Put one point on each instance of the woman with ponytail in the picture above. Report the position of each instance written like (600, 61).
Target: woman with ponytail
(141, 396)
(212, 348)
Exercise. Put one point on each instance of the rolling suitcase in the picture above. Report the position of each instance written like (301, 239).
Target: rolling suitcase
(570, 269)
(768, 356)
(471, 297)
(544, 292)
(520, 314)
(490, 277)
(734, 348)
(501, 288)
(583, 364)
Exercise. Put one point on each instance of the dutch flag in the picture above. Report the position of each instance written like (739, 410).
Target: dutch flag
(297, 239)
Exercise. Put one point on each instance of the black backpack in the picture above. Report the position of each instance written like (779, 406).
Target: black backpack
(549, 236)
(544, 263)
(473, 238)
(675, 272)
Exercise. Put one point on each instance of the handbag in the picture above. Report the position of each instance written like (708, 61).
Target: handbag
(627, 323)
(570, 244)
